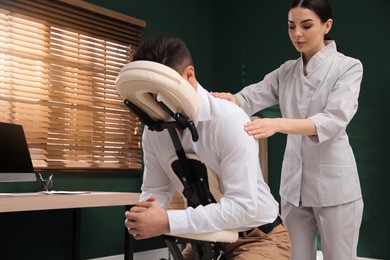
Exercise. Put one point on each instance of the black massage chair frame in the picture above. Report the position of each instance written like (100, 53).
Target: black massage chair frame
(192, 174)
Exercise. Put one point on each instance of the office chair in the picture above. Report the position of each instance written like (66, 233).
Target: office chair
(163, 100)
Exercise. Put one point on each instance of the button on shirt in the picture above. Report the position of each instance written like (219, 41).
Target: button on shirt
(317, 170)
(225, 148)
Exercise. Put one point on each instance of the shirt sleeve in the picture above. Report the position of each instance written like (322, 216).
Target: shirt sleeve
(155, 181)
(264, 93)
(342, 102)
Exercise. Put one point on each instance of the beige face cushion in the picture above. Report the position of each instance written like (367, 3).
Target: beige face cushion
(144, 83)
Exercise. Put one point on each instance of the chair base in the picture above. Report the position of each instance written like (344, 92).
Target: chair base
(203, 250)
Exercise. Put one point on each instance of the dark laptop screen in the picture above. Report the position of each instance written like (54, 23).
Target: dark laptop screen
(14, 153)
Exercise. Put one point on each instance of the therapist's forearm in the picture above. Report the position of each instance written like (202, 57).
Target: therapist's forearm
(297, 126)
(266, 127)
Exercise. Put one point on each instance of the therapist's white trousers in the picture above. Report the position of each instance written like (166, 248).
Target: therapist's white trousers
(338, 227)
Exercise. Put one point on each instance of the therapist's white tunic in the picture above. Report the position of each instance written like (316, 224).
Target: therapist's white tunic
(317, 170)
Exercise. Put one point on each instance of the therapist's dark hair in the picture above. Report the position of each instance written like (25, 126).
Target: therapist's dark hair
(166, 49)
(320, 7)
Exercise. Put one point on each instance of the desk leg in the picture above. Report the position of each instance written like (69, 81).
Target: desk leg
(129, 243)
(76, 234)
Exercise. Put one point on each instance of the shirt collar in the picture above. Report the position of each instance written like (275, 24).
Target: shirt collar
(204, 105)
(320, 56)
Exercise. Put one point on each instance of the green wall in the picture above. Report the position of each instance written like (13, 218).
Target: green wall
(191, 20)
(250, 39)
(234, 43)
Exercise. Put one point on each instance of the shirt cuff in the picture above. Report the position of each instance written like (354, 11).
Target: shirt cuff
(315, 138)
(178, 222)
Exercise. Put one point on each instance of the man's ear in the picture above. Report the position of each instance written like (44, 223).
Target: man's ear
(188, 72)
(189, 75)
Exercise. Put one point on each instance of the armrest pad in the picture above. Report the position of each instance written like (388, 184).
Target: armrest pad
(228, 236)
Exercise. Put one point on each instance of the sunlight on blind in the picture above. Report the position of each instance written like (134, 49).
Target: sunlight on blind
(59, 84)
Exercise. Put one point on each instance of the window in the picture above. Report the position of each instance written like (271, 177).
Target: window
(59, 60)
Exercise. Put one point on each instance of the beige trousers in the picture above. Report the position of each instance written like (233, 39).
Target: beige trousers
(256, 246)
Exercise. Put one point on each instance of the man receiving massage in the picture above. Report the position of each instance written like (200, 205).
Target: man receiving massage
(224, 147)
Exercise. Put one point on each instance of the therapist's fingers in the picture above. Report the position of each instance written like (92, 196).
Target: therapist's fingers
(223, 95)
(261, 128)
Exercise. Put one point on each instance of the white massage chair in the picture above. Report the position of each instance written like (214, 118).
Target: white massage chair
(164, 101)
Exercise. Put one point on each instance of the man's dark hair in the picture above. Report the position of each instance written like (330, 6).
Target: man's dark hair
(166, 49)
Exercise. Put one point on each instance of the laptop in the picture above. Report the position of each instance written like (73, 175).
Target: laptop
(15, 159)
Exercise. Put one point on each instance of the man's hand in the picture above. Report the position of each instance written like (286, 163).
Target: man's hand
(147, 219)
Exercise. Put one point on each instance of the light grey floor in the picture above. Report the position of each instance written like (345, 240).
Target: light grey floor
(163, 253)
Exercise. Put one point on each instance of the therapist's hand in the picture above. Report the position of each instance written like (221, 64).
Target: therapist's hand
(262, 127)
(227, 96)
(147, 219)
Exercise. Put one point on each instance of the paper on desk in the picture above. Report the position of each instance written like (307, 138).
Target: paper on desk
(52, 192)
(6, 194)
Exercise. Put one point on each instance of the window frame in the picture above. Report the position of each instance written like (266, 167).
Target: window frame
(76, 8)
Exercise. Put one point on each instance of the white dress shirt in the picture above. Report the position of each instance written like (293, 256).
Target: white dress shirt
(224, 147)
(317, 170)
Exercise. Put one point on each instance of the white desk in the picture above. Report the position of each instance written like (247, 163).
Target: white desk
(39, 201)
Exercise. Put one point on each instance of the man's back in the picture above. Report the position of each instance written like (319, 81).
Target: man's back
(225, 148)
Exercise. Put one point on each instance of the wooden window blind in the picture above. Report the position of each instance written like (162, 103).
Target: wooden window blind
(59, 60)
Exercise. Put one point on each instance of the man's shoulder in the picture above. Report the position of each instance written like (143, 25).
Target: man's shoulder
(213, 108)
(223, 109)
